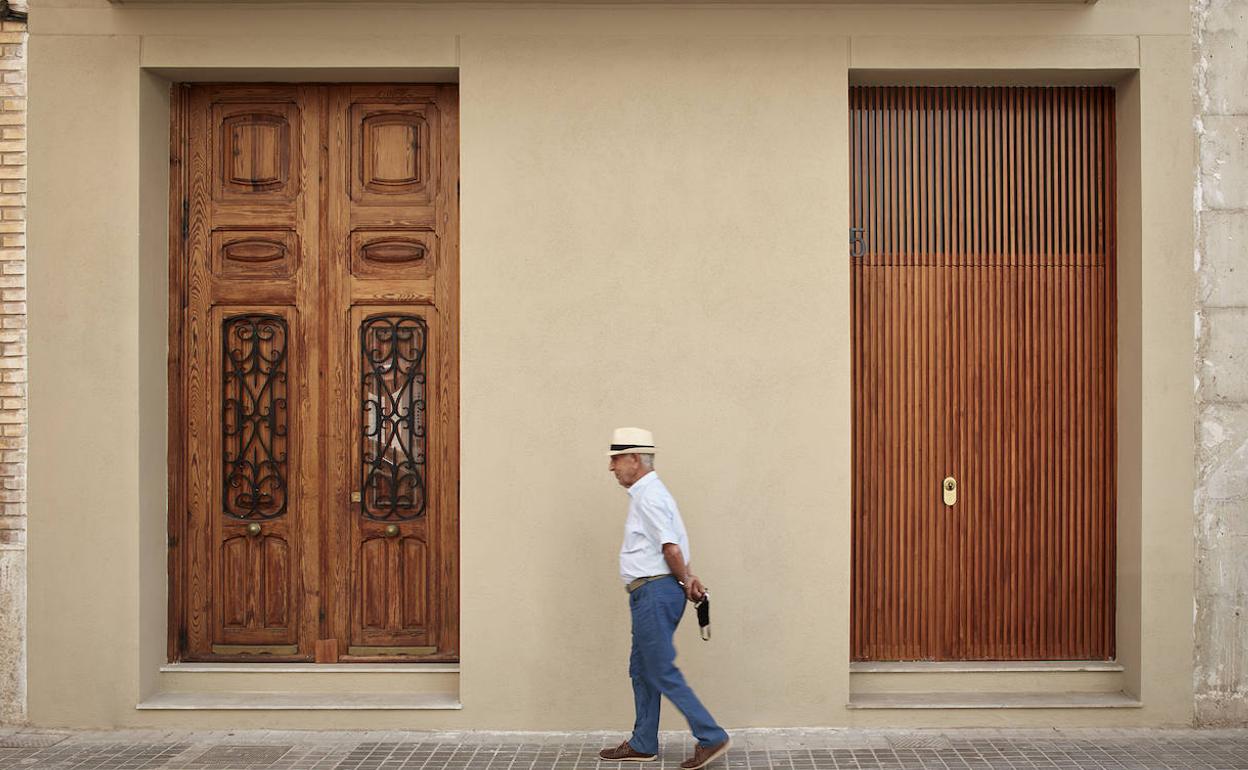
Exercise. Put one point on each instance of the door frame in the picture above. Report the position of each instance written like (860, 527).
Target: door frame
(179, 189)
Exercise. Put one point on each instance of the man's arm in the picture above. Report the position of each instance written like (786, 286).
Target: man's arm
(694, 590)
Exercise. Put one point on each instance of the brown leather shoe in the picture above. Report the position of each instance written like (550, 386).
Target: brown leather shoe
(624, 753)
(705, 755)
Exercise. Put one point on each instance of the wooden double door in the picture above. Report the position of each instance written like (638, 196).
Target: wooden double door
(983, 367)
(314, 371)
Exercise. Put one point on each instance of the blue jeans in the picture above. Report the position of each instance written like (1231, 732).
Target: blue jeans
(656, 609)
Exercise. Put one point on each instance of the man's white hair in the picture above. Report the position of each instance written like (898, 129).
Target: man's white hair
(647, 461)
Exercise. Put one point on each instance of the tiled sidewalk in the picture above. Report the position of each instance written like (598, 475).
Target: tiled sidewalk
(753, 750)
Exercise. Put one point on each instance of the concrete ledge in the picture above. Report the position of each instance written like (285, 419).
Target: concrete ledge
(340, 680)
(296, 52)
(984, 666)
(992, 700)
(1075, 52)
(310, 668)
(291, 701)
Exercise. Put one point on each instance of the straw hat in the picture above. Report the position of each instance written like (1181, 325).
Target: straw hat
(626, 441)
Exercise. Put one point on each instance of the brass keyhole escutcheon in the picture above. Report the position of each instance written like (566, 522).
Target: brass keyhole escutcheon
(949, 488)
(253, 529)
(392, 530)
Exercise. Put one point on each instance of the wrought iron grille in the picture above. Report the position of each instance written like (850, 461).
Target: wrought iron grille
(254, 418)
(393, 437)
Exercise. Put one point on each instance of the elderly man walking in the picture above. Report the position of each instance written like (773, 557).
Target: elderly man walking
(654, 565)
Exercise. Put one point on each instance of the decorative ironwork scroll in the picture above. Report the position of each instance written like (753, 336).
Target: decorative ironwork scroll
(254, 418)
(393, 438)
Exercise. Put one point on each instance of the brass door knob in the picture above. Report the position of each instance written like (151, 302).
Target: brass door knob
(253, 529)
(392, 530)
(949, 490)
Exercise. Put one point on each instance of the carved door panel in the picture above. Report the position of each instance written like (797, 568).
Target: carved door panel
(315, 375)
(390, 507)
(394, 522)
(251, 220)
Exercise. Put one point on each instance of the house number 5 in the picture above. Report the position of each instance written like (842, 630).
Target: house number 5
(857, 242)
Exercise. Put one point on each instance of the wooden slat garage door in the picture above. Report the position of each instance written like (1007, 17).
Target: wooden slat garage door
(983, 312)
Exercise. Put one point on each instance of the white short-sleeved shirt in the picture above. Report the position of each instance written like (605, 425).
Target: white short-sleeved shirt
(653, 519)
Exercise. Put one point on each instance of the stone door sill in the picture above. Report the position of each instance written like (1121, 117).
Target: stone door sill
(986, 666)
(311, 668)
(274, 701)
(992, 700)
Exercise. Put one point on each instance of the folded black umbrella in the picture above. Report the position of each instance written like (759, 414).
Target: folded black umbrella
(704, 616)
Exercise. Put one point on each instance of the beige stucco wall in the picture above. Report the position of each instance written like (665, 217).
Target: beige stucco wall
(654, 226)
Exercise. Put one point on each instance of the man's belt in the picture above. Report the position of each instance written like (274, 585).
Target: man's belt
(641, 581)
(703, 607)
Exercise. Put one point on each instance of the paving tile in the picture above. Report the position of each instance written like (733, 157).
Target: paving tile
(806, 749)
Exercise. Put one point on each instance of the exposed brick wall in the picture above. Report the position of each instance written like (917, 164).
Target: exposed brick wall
(13, 370)
(1221, 635)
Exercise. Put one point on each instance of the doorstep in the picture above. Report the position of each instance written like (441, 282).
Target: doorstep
(311, 668)
(1031, 680)
(980, 666)
(298, 701)
(993, 700)
(304, 686)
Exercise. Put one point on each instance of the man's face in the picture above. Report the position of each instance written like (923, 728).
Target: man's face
(627, 469)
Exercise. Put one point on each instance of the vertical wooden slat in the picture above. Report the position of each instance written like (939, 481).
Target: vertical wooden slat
(1110, 212)
(855, 192)
(1078, 373)
(983, 349)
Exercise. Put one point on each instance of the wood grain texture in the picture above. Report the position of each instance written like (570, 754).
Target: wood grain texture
(179, 149)
(253, 168)
(982, 176)
(319, 205)
(983, 349)
(394, 196)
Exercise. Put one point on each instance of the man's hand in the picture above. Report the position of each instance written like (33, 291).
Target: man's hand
(694, 590)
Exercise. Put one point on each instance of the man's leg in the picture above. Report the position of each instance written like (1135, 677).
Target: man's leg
(665, 605)
(646, 700)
